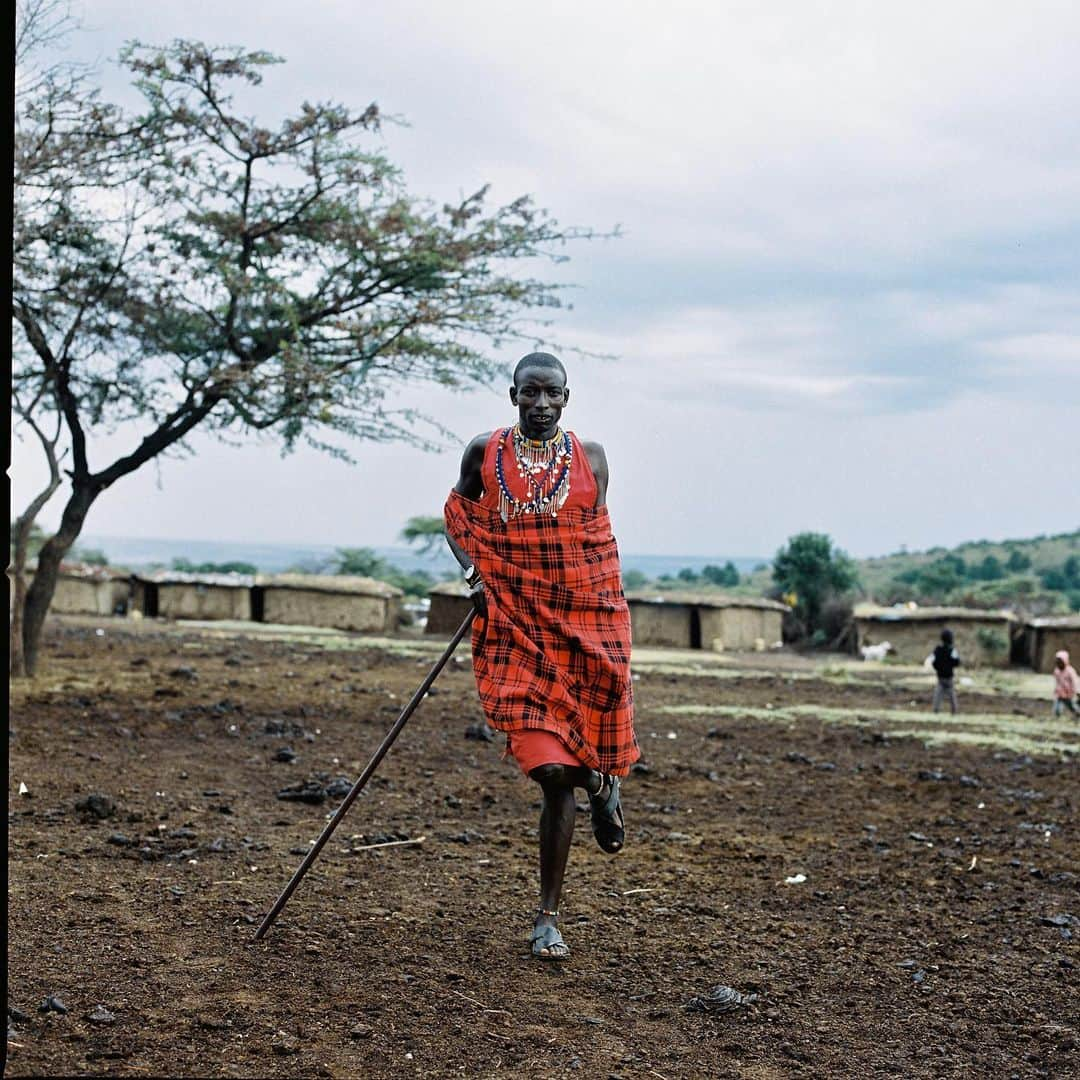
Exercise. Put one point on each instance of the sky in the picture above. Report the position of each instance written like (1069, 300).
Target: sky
(846, 294)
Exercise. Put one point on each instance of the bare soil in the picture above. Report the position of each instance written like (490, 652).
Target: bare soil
(935, 933)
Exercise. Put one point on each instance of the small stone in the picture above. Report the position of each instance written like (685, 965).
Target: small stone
(101, 1015)
(480, 731)
(17, 1015)
(52, 1004)
(183, 672)
(286, 754)
(96, 805)
(307, 791)
(339, 787)
(361, 1031)
(284, 1045)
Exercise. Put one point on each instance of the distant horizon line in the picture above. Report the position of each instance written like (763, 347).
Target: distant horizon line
(400, 545)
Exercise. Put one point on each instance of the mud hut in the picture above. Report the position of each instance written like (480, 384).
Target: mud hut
(450, 604)
(170, 594)
(90, 590)
(338, 601)
(678, 620)
(1044, 637)
(696, 620)
(983, 637)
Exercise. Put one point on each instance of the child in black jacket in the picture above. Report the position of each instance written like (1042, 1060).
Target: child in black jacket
(946, 661)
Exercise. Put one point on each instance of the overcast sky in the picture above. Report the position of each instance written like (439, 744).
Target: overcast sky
(847, 297)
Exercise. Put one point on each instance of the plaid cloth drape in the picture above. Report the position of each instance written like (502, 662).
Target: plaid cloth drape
(554, 651)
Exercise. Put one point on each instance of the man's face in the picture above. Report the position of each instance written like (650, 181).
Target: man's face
(540, 394)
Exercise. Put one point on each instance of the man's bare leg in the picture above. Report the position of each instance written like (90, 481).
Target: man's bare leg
(556, 831)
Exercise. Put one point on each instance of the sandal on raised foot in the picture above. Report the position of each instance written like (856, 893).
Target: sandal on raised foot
(607, 816)
(547, 943)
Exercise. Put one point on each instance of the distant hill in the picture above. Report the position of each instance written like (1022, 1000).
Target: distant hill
(1040, 575)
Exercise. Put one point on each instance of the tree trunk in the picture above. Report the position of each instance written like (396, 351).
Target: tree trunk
(17, 571)
(39, 595)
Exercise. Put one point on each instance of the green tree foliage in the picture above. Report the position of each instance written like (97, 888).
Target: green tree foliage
(1017, 562)
(634, 579)
(815, 571)
(726, 575)
(359, 562)
(428, 533)
(190, 266)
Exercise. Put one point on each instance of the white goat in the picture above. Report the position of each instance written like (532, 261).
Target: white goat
(876, 652)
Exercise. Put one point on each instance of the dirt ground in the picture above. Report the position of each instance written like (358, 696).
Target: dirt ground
(935, 933)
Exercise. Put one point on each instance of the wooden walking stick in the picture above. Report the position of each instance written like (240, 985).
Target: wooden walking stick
(364, 777)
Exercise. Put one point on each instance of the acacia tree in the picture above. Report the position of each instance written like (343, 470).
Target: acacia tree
(225, 275)
(809, 566)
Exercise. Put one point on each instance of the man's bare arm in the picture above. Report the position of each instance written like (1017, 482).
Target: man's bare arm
(598, 461)
(471, 485)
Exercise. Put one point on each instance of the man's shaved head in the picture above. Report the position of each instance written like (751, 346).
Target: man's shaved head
(539, 360)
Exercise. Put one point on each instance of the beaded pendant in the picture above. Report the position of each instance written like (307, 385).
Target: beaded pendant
(544, 465)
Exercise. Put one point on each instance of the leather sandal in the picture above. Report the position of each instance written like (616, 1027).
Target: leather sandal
(608, 824)
(547, 943)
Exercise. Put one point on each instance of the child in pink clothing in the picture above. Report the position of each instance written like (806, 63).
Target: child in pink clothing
(1065, 684)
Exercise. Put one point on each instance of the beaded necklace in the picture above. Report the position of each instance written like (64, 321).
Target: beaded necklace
(544, 464)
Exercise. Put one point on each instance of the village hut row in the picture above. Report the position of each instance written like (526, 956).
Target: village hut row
(678, 620)
(669, 619)
(338, 602)
(983, 638)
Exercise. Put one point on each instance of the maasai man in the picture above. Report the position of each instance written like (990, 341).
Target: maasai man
(527, 520)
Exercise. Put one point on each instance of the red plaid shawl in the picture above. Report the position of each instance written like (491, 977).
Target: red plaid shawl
(554, 651)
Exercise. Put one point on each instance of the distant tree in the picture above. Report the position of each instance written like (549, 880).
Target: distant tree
(814, 570)
(688, 575)
(90, 556)
(1017, 562)
(1071, 572)
(989, 569)
(426, 532)
(191, 268)
(634, 579)
(360, 562)
(726, 575)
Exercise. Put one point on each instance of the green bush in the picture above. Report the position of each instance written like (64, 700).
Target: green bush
(992, 642)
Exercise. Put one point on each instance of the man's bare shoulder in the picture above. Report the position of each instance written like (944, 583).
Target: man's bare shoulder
(478, 444)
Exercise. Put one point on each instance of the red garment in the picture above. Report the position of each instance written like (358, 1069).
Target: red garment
(532, 748)
(554, 652)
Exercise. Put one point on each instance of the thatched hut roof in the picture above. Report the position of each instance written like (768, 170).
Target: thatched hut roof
(903, 613)
(179, 577)
(702, 599)
(330, 583)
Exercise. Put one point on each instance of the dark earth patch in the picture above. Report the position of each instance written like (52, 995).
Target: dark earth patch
(935, 933)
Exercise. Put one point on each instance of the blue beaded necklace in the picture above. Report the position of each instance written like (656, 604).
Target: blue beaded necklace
(537, 461)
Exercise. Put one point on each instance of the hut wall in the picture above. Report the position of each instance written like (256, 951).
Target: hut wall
(447, 613)
(661, 624)
(1047, 640)
(739, 627)
(914, 639)
(342, 611)
(82, 596)
(188, 600)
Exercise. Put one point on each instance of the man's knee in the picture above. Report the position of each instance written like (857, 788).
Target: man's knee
(554, 775)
